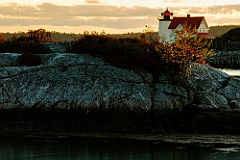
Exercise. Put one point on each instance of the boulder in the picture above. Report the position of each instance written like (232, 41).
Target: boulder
(212, 101)
(86, 81)
(204, 78)
(168, 97)
(69, 78)
(84, 93)
(231, 89)
(9, 59)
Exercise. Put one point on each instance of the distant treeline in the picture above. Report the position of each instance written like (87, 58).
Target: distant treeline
(66, 37)
(220, 30)
(56, 36)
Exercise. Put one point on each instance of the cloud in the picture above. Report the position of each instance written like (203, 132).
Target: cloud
(93, 1)
(49, 9)
(174, 1)
(103, 15)
(118, 17)
(180, 1)
(228, 9)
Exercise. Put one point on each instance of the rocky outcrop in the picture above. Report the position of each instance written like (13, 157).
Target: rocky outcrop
(67, 80)
(87, 85)
(206, 84)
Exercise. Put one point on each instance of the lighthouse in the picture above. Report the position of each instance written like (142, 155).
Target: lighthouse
(164, 22)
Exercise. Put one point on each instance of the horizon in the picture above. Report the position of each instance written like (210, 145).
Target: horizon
(77, 16)
(53, 31)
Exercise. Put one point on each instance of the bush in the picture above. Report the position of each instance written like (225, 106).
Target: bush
(187, 48)
(133, 53)
(146, 53)
(29, 59)
(23, 44)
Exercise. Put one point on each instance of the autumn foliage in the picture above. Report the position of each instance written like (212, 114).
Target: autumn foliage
(2, 38)
(146, 53)
(187, 47)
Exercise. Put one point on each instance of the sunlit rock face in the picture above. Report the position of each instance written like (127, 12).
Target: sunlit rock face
(70, 80)
(80, 80)
(206, 87)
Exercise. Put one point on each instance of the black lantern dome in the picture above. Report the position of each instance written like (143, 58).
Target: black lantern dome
(166, 15)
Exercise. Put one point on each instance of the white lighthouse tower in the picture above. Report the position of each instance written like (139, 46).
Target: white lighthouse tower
(164, 22)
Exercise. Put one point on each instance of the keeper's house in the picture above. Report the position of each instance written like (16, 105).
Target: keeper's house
(169, 24)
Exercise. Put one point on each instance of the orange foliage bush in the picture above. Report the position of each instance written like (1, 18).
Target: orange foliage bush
(187, 47)
(145, 53)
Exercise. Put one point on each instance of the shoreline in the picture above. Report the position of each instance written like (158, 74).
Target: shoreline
(193, 140)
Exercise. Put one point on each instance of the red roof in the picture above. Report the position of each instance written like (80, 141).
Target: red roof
(207, 35)
(193, 21)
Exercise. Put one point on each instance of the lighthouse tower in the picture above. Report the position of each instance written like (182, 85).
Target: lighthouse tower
(164, 22)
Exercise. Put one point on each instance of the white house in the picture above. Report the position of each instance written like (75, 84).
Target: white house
(169, 24)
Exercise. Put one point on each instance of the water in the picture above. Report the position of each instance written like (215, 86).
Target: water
(232, 72)
(92, 149)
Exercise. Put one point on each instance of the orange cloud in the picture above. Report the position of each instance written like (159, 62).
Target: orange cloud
(112, 17)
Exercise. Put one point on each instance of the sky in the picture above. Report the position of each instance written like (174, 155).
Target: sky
(111, 16)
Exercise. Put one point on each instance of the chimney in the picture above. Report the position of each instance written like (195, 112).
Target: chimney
(188, 15)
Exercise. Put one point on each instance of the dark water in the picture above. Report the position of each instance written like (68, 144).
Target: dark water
(92, 149)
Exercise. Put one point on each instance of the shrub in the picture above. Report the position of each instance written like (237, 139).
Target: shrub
(146, 53)
(2, 38)
(187, 47)
(23, 44)
(29, 59)
(133, 53)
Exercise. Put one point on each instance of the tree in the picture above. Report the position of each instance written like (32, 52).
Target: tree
(188, 47)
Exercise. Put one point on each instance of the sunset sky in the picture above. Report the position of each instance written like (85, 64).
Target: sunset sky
(112, 16)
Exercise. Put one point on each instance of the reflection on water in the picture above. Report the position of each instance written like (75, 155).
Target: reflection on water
(92, 149)
(232, 72)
